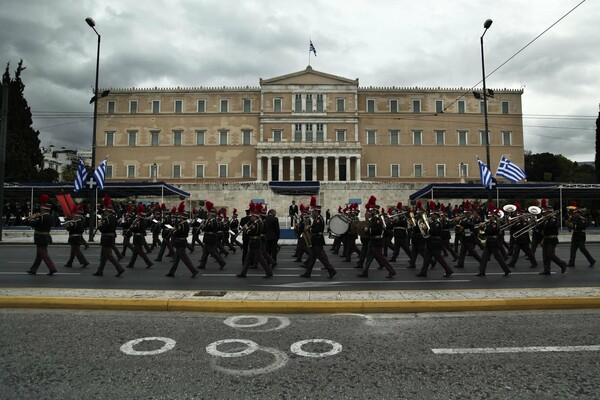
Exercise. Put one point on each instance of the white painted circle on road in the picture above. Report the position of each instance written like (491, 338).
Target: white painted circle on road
(296, 348)
(127, 348)
(280, 361)
(234, 321)
(213, 351)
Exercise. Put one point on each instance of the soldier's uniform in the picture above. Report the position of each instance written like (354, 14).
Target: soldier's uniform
(521, 242)
(578, 239)
(138, 228)
(76, 230)
(254, 256)
(492, 244)
(180, 243)
(376, 242)
(317, 240)
(211, 229)
(549, 243)
(433, 247)
(467, 228)
(41, 238)
(108, 231)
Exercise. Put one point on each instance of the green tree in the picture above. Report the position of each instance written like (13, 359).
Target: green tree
(546, 167)
(24, 159)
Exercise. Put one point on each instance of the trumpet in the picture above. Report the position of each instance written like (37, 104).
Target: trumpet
(535, 223)
(32, 217)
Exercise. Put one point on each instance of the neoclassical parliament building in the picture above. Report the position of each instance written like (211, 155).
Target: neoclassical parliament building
(305, 126)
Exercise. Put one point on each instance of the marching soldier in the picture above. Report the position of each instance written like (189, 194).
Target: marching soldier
(179, 239)
(155, 227)
(417, 240)
(272, 234)
(521, 242)
(139, 231)
(577, 225)
(466, 227)
(254, 256)
(376, 242)
(492, 244)
(211, 229)
(108, 230)
(433, 246)
(128, 219)
(400, 228)
(317, 241)
(42, 223)
(166, 229)
(234, 227)
(75, 228)
(350, 236)
(550, 241)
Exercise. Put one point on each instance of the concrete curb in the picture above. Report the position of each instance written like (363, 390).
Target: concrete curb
(293, 307)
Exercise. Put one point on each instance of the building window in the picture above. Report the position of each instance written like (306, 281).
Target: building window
(297, 132)
(246, 137)
(371, 170)
(505, 107)
(482, 107)
(110, 139)
(340, 105)
(177, 138)
(370, 105)
(371, 137)
(201, 106)
(309, 132)
(320, 133)
(246, 170)
(506, 139)
(395, 170)
(132, 138)
(223, 138)
(224, 105)
(320, 107)
(109, 171)
(483, 138)
(277, 101)
(199, 171)
(440, 138)
(110, 107)
(394, 106)
(416, 106)
(133, 107)
(394, 138)
(200, 138)
(131, 171)
(439, 106)
(340, 135)
(277, 135)
(178, 106)
(247, 105)
(298, 103)
(441, 170)
(154, 138)
(222, 170)
(463, 170)
(418, 170)
(177, 171)
(417, 138)
(309, 103)
(155, 106)
(462, 138)
(461, 106)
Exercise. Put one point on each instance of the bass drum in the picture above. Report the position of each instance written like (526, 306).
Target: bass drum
(360, 228)
(338, 224)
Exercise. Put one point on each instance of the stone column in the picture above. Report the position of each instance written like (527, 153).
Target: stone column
(292, 159)
(358, 177)
(259, 172)
(337, 168)
(269, 169)
(280, 172)
(325, 169)
(348, 176)
(303, 168)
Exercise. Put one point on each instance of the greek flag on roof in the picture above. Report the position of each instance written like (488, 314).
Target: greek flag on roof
(510, 171)
(312, 48)
(100, 174)
(80, 176)
(486, 174)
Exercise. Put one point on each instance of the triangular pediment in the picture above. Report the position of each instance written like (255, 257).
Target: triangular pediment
(308, 76)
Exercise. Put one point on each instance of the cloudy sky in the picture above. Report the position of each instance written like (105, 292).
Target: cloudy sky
(402, 43)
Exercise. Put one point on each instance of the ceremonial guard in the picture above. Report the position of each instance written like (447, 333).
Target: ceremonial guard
(446, 235)
(211, 229)
(42, 224)
(522, 241)
(244, 222)
(196, 226)
(272, 234)
(128, 219)
(75, 228)
(254, 256)
(234, 227)
(466, 228)
(433, 246)
(578, 224)
(492, 244)
(179, 238)
(155, 227)
(108, 230)
(376, 241)
(301, 229)
(166, 223)
(350, 236)
(317, 241)
(400, 228)
(550, 241)
(138, 227)
(416, 237)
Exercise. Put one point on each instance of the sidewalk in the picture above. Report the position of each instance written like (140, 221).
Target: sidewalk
(406, 301)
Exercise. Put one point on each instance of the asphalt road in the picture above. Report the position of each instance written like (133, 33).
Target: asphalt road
(65, 355)
(16, 259)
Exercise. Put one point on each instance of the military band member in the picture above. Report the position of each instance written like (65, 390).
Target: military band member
(578, 225)
(492, 244)
(179, 239)
(138, 227)
(211, 229)
(234, 227)
(166, 224)
(128, 219)
(317, 241)
(254, 256)
(272, 235)
(417, 240)
(155, 227)
(108, 231)
(300, 229)
(244, 222)
(400, 227)
(521, 242)
(433, 246)
(76, 229)
(550, 241)
(42, 223)
(376, 242)
(466, 227)
(350, 236)
(446, 235)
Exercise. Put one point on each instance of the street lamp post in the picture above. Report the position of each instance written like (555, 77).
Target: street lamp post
(486, 25)
(93, 205)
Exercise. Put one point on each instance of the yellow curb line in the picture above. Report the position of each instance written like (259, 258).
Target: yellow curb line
(293, 306)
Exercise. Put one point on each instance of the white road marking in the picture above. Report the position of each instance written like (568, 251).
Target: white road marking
(280, 361)
(127, 348)
(213, 351)
(284, 322)
(296, 348)
(493, 350)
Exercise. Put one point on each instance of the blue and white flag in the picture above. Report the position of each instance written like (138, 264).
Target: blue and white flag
(486, 174)
(510, 171)
(312, 48)
(80, 176)
(100, 174)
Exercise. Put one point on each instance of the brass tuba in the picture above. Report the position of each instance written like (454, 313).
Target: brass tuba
(423, 225)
